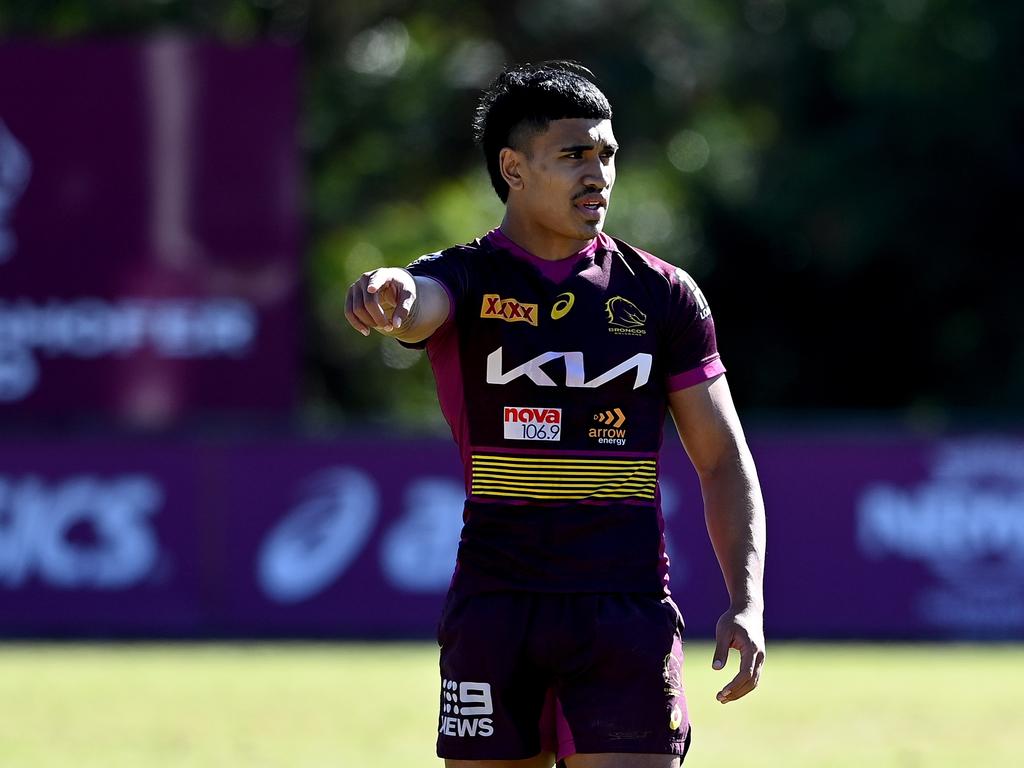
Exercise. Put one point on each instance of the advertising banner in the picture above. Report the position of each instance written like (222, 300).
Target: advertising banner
(102, 539)
(149, 229)
(868, 537)
(324, 538)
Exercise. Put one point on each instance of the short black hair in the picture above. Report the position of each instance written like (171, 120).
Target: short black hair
(530, 96)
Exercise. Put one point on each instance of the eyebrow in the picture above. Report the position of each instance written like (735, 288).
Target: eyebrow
(587, 147)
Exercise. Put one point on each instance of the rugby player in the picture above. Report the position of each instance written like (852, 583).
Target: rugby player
(557, 351)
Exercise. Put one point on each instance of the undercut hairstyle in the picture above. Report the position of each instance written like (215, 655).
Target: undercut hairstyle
(521, 102)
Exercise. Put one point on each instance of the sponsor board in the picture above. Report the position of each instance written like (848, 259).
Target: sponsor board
(90, 328)
(417, 552)
(965, 524)
(80, 532)
(15, 172)
(149, 250)
(891, 535)
(313, 544)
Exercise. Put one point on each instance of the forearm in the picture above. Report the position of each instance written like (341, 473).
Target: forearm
(734, 513)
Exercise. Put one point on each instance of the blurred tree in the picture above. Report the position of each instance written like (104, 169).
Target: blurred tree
(841, 177)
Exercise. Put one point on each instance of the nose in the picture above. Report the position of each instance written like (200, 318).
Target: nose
(599, 174)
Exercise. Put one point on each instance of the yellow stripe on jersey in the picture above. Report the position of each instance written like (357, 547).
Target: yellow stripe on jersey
(562, 479)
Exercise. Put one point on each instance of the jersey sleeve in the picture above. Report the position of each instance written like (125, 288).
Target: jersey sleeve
(691, 348)
(449, 269)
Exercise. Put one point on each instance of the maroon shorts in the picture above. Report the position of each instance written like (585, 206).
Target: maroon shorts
(523, 672)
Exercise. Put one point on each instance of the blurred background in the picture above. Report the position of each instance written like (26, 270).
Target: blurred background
(197, 444)
(194, 444)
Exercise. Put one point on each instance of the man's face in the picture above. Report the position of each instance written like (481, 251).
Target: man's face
(567, 174)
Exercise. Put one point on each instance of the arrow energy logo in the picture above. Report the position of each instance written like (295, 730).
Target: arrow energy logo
(612, 433)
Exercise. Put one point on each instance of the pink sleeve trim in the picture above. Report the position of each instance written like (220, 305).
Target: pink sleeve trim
(709, 370)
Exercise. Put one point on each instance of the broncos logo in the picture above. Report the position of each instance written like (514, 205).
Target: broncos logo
(623, 313)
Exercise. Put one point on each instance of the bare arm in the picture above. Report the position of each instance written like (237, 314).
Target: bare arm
(734, 512)
(394, 303)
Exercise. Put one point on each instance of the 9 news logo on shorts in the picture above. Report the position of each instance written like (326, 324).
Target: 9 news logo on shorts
(464, 707)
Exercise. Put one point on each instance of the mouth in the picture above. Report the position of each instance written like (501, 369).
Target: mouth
(592, 206)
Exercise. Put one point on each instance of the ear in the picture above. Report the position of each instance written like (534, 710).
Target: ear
(510, 162)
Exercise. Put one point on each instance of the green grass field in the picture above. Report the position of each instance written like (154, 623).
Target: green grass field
(374, 706)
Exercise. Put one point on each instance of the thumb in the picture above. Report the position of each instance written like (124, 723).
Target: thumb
(721, 650)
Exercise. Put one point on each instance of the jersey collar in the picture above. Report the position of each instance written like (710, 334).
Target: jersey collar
(556, 271)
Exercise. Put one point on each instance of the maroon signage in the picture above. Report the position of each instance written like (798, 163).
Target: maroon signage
(149, 228)
(880, 537)
(101, 539)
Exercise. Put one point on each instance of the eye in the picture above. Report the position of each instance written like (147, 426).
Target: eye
(577, 155)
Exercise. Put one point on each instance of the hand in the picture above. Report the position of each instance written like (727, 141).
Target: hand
(381, 299)
(744, 631)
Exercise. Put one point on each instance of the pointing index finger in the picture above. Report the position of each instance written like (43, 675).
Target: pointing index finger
(401, 313)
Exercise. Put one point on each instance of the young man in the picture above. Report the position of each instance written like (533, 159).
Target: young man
(557, 351)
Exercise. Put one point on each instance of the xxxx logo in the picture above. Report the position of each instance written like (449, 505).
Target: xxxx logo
(562, 306)
(613, 418)
(510, 310)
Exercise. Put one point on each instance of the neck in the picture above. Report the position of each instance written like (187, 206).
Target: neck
(542, 243)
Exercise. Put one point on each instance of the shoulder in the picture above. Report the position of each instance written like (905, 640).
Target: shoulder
(637, 257)
(455, 253)
(647, 266)
(658, 274)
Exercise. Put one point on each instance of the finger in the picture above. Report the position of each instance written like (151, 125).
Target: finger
(758, 666)
(746, 679)
(375, 313)
(741, 682)
(722, 643)
(363, 312)
(738, 692)
(403, 309)
(377, 280)
(350, 315)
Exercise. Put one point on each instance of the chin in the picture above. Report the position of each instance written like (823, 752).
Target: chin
(580, 229)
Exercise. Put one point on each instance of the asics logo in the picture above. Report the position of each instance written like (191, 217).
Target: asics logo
(562, 306)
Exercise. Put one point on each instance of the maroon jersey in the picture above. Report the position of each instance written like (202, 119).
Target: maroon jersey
(554, 378)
